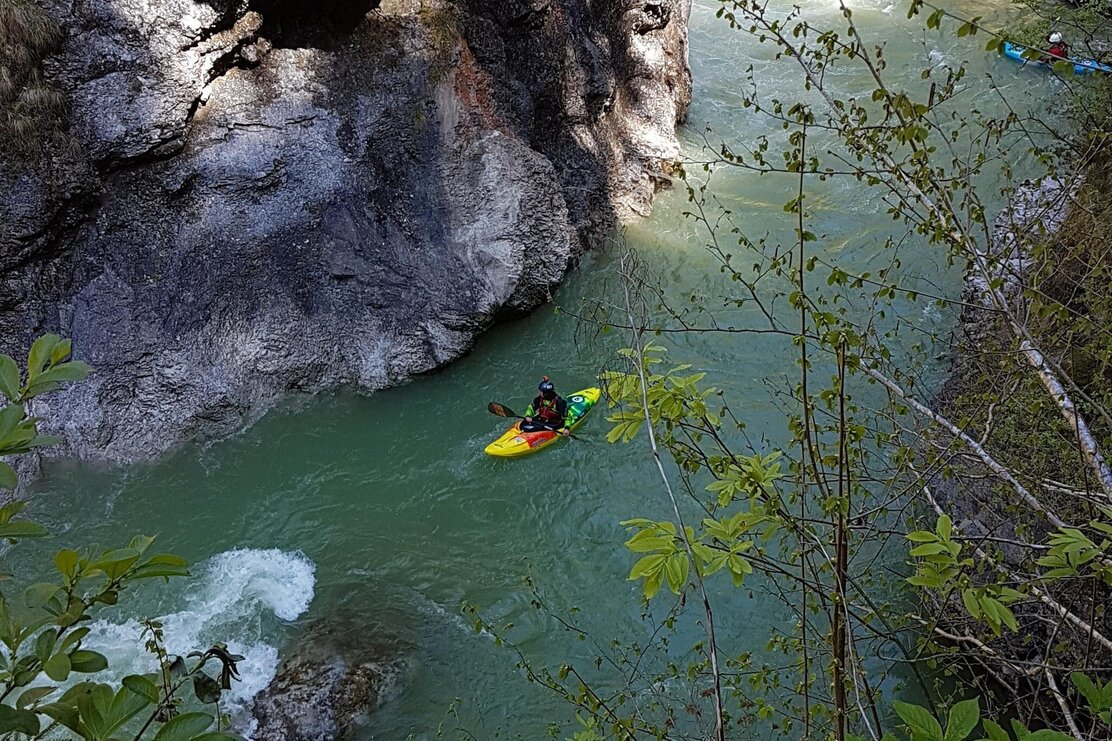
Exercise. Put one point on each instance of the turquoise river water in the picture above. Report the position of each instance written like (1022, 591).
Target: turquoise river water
(371, 511)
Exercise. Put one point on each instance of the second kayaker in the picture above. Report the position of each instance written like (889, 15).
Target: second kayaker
(1057, 48)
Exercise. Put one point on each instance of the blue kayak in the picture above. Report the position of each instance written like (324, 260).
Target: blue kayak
(1081, 67)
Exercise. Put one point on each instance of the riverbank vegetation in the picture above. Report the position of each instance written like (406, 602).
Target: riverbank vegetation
(48, 679)
(992, 501)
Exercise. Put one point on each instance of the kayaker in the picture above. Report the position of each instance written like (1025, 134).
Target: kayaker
(548, 410)
(1057, 48)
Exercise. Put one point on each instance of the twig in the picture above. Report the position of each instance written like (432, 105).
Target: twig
(1062, 704)
(638, 356)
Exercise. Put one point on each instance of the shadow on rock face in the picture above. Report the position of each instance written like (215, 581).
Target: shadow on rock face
(304, 23)
(334, 676)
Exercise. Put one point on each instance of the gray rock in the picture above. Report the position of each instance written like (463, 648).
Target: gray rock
(264, 198)
(324, 689)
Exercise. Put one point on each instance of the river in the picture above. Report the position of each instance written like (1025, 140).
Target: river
(382, 513)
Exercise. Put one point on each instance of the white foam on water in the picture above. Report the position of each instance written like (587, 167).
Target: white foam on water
(229, 600)
(938, 58)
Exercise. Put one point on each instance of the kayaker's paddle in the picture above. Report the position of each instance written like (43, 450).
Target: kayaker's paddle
(501, 410)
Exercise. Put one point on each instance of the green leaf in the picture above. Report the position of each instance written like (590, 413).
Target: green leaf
(75, 371)
(155, 568)
(184, 727)
(995, 732)
(58, 667)
(922, 536)
(1007, 617)
(969, 598)
(115, 563)
(9, 378)
(124, 706)
(677, 567)
(929, 549)
(66, 714)
(1091, 692)
(8, 479)
(925, 580)
(87, 662)
(650, 540)
(22, 529)
(37, 595)
(141, 543)
(38, 389)
(11, 509)
(72, 638)
(142, 686)
(646, 566)
(17, 720)
(61, 351)
(39, 355)
(919, 720)
(963, 718)
(945, 526)
(652, 583)
(44, 645)
(10, 417)
(206, 688)
(1047, 734)
(65, 561)
(33, 695)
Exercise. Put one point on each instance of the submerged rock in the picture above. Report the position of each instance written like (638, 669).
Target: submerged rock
(265, 197)
(323, 689)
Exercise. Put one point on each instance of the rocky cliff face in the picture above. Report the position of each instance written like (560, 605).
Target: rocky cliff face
(268, 196)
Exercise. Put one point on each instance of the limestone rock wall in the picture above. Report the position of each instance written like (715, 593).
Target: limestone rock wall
(263, 197)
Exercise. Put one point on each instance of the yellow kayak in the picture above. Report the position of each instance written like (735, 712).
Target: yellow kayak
(514, 443)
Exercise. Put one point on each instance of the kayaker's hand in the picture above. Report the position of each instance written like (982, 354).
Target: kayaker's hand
(565, 432)
(528, 420)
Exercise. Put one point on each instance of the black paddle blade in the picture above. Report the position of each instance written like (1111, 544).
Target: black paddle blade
(501, 410)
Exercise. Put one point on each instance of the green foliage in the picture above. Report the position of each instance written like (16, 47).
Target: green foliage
(812, 523)
(940, 567)
(589, 730)
(920, 722)
(961, 721)
(719, 545)
(41, 640)
(47, 370)
(1071, 550)
(674, 397)
(1099, 698)
(939, 556)
(675, 400)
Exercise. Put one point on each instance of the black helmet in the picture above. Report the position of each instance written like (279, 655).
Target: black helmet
(546, 386)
